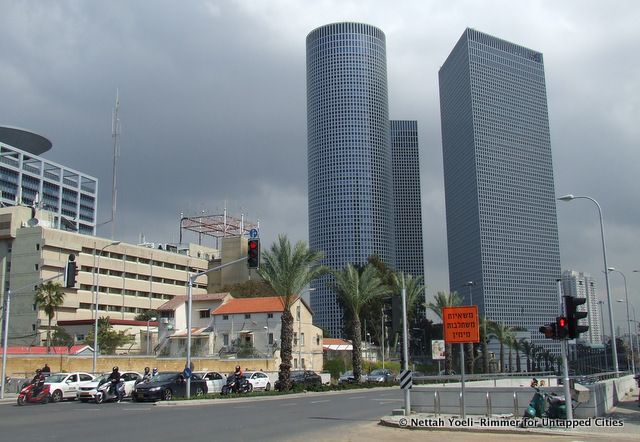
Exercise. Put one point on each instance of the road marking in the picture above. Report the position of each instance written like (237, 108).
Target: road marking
(245, 406)
(318, 402)
(288, 405)
(358, 397)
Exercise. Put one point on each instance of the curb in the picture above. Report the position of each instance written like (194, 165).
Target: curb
(196, 402)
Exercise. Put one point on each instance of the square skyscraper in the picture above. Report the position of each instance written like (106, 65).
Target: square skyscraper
(502, 232)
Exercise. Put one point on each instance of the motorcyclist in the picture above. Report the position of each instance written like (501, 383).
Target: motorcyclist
(114, 377)
(238, 377)
(37, 382)
(154, 372)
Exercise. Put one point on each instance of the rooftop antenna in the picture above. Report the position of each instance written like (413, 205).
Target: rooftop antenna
(115, 134)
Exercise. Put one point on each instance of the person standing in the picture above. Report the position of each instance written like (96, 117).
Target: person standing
(46, 370)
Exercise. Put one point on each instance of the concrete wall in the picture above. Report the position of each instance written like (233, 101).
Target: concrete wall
(25, 366)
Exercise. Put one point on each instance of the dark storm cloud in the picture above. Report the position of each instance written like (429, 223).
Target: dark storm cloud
(213, 106)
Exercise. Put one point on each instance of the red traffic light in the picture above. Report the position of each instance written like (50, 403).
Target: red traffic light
(253, 254)
(253, 244)
(562, 322)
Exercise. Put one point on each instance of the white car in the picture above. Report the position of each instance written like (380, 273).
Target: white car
(215, 380)
(87, 391)
(258, 379)
(65, 385)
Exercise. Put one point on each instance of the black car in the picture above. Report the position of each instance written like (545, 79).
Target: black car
(166, 386)
(305, 378)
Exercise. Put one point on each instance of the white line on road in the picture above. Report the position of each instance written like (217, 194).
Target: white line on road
(358, 397)
(288, 405)
(318, 402)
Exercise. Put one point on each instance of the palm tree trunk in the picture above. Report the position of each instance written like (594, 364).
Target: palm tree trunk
(501, 357)
(469, 358)
(485, 355)
(286, 339)
(518, 360)
(49, 336)
(448, 360)
(356, 353)
(510, 361)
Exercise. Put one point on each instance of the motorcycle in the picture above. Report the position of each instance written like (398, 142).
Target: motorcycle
(26, 395)
(545, 405)
(104, 392)
(235, 385)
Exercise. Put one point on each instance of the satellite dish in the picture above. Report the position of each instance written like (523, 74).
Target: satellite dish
(33, 222)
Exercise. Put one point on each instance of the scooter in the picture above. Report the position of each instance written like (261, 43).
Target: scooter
(234, 385)
(545, 405)
(26, 395)
(105, 394)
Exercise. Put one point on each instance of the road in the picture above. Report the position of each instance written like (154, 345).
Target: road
(279, 419)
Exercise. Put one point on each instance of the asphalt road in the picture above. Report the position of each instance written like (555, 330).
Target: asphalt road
(283, 418)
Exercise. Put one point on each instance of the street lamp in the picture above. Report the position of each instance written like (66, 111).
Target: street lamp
(606, 275)
(266, 339)
(148, 338)
(96, 278)
(626, 297)
(470, 284)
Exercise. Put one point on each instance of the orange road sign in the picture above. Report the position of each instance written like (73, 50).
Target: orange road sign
(461, 324)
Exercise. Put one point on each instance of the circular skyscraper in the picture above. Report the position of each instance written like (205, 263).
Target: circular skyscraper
(349, 154)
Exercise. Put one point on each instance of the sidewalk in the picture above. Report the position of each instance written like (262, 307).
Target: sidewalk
(623, 422)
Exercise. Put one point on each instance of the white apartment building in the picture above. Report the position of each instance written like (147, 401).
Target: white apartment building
(583, 285)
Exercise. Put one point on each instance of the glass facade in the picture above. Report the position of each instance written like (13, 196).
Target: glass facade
(349, 154)
(67, 193)
(407, 206)
(500, 200)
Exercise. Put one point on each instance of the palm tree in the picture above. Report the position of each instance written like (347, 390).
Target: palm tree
(484, 339)
(288, 271)
(509, 339)
(49, 296)
(539, 357)
(517, 346)
(355, 289)
(527, 347)
(442, 300)
(414, 290)
(502, 333)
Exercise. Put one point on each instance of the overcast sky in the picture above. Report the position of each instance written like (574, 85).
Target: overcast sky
(213, 107)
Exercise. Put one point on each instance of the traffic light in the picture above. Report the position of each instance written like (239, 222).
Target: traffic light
(70, 272)
(571, 304)
(253, 253)
(549, 331)
(562, 327)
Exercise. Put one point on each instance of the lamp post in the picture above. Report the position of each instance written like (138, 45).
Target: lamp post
(266, 339)
(148, 338)
(96, 278)
(470, 284)
(626, 300)
(606, 275)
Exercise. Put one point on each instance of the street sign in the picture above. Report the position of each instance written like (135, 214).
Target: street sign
(187, 372)
(406, 381)
(253, 233)
(461, 324)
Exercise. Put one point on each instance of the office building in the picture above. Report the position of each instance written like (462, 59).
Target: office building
(28, 179)
(406, 197)
(349, 155)
(582, 285)
(500, 201)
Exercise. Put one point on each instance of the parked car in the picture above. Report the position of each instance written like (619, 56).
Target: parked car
(65, 385)
(214, 380)
(348, 378)
(166, 386)
(306, 378)
(88, 391)
(380, 376)
(259, 380)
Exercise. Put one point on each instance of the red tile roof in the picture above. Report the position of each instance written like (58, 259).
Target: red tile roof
(179, 300)
(333, 341)
(112, 321)
(267, 304)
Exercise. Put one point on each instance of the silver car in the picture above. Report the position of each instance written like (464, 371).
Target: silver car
(215, 380)
(380, 376)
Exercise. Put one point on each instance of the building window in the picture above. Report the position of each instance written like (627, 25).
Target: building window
(204, 314)
(302, 363)
(225, 317)
(270, 338)
(37, 246)
(79, 338)
(295, 338)
(295, 363)
(270, 315)
(36, 266)
(302, 339)
(247, 316)
(225, 339)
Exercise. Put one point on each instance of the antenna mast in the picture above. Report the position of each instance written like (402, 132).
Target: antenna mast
(115, 134)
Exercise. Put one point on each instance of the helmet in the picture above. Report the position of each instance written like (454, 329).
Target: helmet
(237, 368)
(115, 368)
(155, 370)
(38, 371)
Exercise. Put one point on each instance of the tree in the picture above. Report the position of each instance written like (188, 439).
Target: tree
(108, 339)
(355, 289)
(517, 346)
(60, 337)
(288, 271)
(503, 334)
(526, 347)
(442, 300)
(249, 289)
(49, 296)
(484, 342)
(147, 315)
